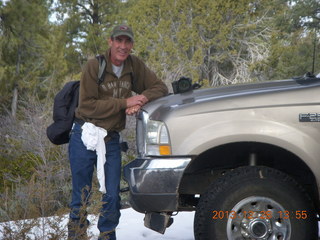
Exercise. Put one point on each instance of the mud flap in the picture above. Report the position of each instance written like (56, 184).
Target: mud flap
(158, 222)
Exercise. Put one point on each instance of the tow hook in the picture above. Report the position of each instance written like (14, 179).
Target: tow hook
(158, 222)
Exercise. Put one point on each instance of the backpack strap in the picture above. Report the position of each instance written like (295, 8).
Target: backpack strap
(133, 76)
(102, 68)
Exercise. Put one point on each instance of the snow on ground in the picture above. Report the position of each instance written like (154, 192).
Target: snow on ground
(131, 226)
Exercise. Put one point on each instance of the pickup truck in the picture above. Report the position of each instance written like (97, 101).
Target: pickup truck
(245, 157)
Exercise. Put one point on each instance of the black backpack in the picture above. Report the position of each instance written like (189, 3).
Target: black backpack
(64, 106)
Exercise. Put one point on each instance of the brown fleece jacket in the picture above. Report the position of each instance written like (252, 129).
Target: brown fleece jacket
(105, 105)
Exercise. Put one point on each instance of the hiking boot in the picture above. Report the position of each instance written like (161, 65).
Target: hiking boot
(77, 230)
(107, 236)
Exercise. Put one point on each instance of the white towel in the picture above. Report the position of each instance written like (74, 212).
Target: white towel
(93, 139)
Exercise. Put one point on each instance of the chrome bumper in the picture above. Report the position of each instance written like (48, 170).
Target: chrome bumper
(154, 183)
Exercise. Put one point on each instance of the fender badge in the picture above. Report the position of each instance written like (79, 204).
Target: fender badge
(309, 117)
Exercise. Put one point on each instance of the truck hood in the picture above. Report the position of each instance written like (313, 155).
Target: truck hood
(254, 95)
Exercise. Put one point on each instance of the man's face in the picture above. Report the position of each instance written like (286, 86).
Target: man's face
(120, 49)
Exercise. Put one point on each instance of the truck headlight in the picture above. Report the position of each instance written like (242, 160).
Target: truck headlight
(157, 138)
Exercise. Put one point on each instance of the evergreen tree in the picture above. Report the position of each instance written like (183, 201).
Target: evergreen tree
(88, 23)
(292, 48)
(220, 41)
(23, 38)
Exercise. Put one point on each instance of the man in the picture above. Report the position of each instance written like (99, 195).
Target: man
(106, 106)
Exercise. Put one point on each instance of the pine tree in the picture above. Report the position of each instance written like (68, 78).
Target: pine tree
(292, 48)
(23, 32)
(218, 41)
(88, 23)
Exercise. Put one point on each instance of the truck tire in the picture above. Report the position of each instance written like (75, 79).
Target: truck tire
(255, 203)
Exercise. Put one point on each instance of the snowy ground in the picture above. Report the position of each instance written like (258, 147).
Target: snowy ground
(130, 227)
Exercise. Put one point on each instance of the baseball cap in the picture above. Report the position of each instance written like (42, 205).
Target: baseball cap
(121, 30)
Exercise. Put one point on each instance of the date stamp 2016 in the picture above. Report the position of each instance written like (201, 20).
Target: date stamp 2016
(298, 214)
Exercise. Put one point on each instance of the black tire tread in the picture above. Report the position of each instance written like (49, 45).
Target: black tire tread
(236, 175)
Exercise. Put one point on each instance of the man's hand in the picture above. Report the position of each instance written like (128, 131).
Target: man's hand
(133, 110)
(139, 100)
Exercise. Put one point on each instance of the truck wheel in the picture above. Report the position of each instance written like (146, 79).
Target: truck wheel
(255, 203)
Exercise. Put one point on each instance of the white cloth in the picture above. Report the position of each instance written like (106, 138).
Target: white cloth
(93, 138)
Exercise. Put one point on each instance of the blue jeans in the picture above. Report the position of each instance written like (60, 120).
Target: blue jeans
(82, 162)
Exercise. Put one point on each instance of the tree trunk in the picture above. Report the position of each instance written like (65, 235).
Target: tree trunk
(14, 103)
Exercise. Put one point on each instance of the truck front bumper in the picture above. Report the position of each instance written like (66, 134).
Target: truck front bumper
(154, 183)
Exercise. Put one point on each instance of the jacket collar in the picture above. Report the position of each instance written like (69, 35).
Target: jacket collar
(127, 67)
